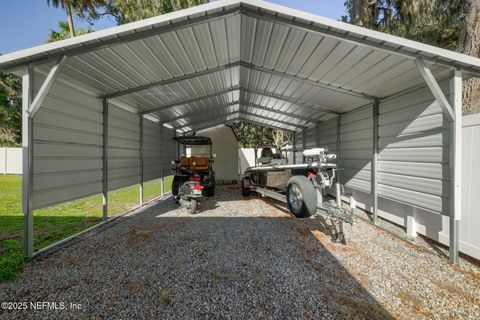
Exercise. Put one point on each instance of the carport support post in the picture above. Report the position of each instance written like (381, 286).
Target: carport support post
(339, 121)
(374, 186)
(105, 160)
(27, 155)
(162, 181)
(141, 159)
(455, 162)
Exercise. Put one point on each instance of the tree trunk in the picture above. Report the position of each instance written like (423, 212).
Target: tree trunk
(470, 44)
(358, 12)
(68, 8)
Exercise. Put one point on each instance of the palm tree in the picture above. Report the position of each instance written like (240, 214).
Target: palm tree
(64, 32)
(80, 6)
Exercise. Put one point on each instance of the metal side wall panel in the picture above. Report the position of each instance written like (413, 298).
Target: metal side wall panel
(414, 151)
(169, 150)
(356, 149)
(123, 148)
(311, 137)
(152, 150)
(327, 134)
(67, 146)
(298, 145)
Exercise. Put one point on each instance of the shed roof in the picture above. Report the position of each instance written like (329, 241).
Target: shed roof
(248, 59)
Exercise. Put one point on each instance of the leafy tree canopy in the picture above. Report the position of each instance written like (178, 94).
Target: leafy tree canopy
(125, 11)
(252, 135)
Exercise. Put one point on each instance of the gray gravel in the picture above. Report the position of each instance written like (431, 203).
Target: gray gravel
(243, 259)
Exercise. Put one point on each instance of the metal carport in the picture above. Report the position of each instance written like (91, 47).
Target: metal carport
(99, 110)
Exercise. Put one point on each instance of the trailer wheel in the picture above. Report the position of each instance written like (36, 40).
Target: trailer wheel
(301, 196)
(245, 191)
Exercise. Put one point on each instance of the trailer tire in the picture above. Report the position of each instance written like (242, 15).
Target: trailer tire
(301, 196)
(245, 191)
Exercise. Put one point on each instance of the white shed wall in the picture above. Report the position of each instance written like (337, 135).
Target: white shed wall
(225, 145)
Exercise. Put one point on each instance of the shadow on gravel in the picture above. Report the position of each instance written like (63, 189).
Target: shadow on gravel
(233, 260)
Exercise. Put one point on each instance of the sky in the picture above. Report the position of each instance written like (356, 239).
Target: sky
(26, 23)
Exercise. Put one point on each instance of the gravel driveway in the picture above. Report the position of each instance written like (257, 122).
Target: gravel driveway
(242, 259)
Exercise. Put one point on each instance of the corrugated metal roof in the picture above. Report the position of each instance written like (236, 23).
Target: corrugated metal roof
(250, 59)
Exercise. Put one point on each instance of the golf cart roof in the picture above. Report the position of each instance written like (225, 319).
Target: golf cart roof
(194, 140)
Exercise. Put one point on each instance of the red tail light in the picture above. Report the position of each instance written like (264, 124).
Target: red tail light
(194, 179)
(198, 187)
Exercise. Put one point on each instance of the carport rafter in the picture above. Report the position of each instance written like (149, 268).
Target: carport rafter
(290, 115)
(188, 101)
(208, 121)
(246, 113)
(236, 119)
(172, 80)
(308, 81)
(186, 115)
(287, 99)
(243, 118)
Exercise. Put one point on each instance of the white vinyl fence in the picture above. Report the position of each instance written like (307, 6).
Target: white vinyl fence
(10, 160)
(470, 222)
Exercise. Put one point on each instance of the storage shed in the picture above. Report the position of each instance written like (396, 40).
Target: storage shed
(225, 148)
(99, 110)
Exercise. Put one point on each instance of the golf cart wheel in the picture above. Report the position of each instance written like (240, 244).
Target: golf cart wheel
(191, 206)
(245, 191)
(210, 191)
(301, 196)
(176, 186)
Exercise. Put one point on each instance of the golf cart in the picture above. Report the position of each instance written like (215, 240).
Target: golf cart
(194, 176)
(302, 186)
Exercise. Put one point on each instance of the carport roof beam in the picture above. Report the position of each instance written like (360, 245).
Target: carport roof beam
(184, 102)
(220, 116)
(308, 81)
(171, 80)
(186, 115)
(243, 118)
(287, 114)
(287, 99)
(297, 126)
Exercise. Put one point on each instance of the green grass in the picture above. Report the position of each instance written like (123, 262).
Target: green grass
(57, 222)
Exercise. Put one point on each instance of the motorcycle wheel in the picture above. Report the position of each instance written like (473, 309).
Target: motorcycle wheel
(192, 206)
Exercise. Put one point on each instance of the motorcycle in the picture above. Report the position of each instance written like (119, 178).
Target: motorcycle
(189, 195)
